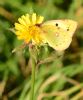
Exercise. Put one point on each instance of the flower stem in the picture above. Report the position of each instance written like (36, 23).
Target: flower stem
(33, 63)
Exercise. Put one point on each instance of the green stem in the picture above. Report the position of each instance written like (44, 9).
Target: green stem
(33, 74)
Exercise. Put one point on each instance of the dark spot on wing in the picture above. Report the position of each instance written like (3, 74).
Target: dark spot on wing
(68, 29)
(56, 24)
(58, 27)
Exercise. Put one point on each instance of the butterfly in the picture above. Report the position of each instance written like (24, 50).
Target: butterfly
(58, 33)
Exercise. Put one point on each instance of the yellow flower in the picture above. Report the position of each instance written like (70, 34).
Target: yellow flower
(27, 28)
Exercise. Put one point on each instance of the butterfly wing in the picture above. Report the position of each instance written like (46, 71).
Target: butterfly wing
(58, 33)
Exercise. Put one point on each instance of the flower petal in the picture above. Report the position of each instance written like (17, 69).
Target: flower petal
(40, 19)
(27, 19)
(34, 18)
(18, 26)
(21, 20)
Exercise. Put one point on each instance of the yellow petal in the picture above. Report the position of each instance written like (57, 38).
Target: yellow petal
(21, 21)
(34, 18)
(40, 19)
(28, 19)
(17, 33)
(27, 40)
(18, 26)
(20, 37)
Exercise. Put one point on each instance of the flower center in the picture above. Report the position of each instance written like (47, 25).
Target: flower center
(33, 30)
(35, 33)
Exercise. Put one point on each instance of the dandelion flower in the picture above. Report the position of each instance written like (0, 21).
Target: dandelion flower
(27, 28)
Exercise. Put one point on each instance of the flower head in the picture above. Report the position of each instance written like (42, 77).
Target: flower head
(27, 28)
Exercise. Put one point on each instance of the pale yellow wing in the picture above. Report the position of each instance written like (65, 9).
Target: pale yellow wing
(58, 33)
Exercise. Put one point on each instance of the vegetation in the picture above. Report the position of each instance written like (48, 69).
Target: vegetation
(59, 75)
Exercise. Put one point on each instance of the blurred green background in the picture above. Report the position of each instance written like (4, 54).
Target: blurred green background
(59, 76)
